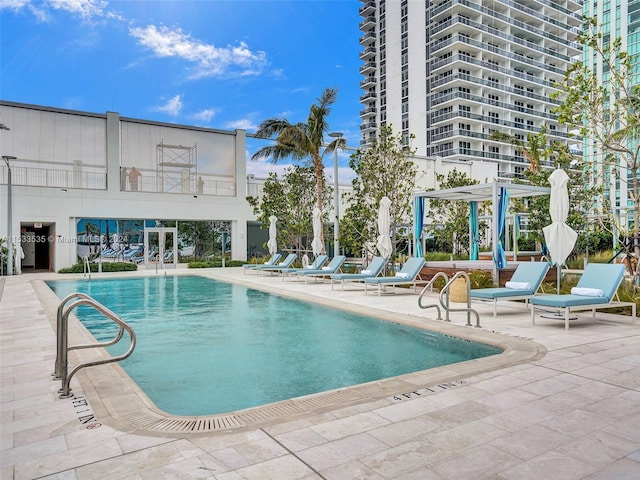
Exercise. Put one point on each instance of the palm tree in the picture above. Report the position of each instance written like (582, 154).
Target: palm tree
(533, 148)
(300, 141)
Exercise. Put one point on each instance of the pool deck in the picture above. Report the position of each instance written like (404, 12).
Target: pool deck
(560, 405)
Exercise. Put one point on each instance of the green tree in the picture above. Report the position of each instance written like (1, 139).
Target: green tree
(450, 218)
(300, 141)
(606, 111)
(200, 234)
(533, 148)
(581, 193)
(291, 199)
(382, 169)
(537, 148)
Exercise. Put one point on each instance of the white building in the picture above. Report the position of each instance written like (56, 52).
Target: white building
(451, 72)
(68, 171)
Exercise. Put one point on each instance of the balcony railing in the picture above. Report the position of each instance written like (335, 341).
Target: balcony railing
(483, 46)
(55, 178)
(149, 182)
(498, 33)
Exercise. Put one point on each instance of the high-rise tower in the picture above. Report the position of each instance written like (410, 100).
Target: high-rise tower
(617, 19)
(451, 72)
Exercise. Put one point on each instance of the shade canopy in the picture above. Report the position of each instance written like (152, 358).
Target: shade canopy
(483, 192)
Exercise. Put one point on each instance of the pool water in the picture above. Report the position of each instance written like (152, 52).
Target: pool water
(207, 347)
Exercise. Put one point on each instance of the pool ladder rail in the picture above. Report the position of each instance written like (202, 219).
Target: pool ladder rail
(86, 266)
(443, 298)
(61, 367)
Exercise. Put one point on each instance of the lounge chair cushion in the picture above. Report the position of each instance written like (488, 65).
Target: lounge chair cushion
(599, 276)
(528, 274)
(604, 276)
(567, 300)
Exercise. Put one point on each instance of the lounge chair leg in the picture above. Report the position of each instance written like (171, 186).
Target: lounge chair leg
(495, 308)
(533, 316)
(566, 319)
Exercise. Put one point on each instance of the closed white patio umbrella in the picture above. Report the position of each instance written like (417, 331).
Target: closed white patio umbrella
(316, 245)
(384, 225)
(559, 237)
(272, 244)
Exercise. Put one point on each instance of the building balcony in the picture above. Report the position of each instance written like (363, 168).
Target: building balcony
(368, 52)
(368, 126)
(368, 112)
(368, 23)
(368, 82)
(367, 38)
(367, 68)
(368, 8)
(368, 96)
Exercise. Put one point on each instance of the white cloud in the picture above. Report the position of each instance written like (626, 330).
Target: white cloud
(242, 124)
(13, 4)
(84, 8)
(208, 60)
(87, 9)
(261, 168)
(205, 115)
(172, 107)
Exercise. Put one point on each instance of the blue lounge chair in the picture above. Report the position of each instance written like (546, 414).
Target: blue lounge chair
(372, 271)
(334, 265)
(524, 284)
(272, 261)
(596, 289)
(316, 265)
(279, 267)
(406, 276)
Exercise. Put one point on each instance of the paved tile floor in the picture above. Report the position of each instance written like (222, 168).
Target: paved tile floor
(570, 413)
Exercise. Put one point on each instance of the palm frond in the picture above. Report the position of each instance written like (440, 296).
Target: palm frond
(271, 127)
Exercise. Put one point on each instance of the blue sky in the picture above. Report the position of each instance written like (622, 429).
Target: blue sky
(222, 64)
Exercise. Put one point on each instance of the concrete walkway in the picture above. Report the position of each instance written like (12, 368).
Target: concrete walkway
(558, 405)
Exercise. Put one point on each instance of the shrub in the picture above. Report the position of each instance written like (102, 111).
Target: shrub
(106, 267)
(215, 263)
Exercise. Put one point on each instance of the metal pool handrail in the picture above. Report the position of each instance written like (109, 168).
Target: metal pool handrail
(61, 366)
(468, 309)
(86, 267)
(430, 286)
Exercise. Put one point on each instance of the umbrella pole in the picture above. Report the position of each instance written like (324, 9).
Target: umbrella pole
(558, 315)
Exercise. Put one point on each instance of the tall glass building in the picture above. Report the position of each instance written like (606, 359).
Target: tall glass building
(619, 19)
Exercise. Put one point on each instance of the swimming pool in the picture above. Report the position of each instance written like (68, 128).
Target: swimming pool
(206, 347)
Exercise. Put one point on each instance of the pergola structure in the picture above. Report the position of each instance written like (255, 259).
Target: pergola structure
(481, 192)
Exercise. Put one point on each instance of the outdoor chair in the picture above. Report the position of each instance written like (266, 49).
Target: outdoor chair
(372, 271)
(334, 265)
(406, 276)
(595, 290)
(279, 267)
(524, 284)
(272, 261)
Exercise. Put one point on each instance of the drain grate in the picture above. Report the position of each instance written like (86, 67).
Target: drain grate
(148, 420)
